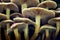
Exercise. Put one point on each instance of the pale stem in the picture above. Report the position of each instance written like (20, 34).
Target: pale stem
(37, 27)
(58, 28)
(8, 25)
(17, 35)
(24, 6)
(47, 34)
(26, 32)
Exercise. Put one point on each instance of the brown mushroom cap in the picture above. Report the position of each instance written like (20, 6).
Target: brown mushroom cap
(3, 17)
(18, 25)
(25, 20)
(11, 6)
(49, 27)
(14, 15)
(28, 2)
(32, 3)
(49, 4)
(19, 1)
(33, 11)
(54, 20)
(5, 22)
(21, 26)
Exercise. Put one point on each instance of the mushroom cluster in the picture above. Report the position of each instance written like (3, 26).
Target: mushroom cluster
(34, 20)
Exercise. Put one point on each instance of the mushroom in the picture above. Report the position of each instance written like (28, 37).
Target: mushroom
(38, 13)
(57, 11)
(2, 17)
(5, 22)
(15, 27)
(57, 21)
(48, 4)
(26, 21)
(47, 28)
(26, 3)
(9, 6)
(14, 15)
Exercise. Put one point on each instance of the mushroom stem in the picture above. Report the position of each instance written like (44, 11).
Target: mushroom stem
(26, 32)
(58, 27)
(0, 32)
(17, 36)
(6, 36)
(37, 27)
(8, 16)
(43, 37)
(7, 13)
(37, 24)
(24, 6)
(47, 34)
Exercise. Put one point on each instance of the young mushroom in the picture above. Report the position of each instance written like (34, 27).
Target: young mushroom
(15, 26)
(2, 17)
(39, 14)
(10, 6)
(14, 15)
(48, 4)
(5, 22)
(47, 28)
(57, 11)
(57, 21)
(26, 21)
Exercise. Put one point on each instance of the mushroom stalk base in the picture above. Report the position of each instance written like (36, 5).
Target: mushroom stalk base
(47, 34)
(58, 28)
(37, 27)
(6, 35)
(26, 32)
(16, 34)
